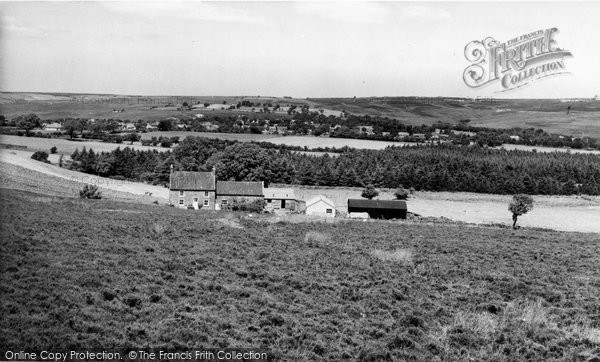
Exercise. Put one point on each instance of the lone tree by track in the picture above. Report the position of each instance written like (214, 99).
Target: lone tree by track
(370, 192)
(520, 205)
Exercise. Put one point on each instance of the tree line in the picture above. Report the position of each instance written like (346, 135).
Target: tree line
(430, 168)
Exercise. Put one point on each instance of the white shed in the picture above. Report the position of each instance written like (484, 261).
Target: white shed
(320, 206)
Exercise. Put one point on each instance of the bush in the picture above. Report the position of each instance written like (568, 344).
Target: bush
(53, 150)
(246, 205)
(40, 156)
(370, 192)
(401, 193)
(90, 192)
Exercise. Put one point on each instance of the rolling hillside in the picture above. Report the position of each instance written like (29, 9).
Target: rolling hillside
(548, 114)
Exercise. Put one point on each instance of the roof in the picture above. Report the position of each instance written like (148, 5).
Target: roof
(239, 188)
(318, 198)
(193, 181)
(377, 204)
(54, 125)
(280, 194)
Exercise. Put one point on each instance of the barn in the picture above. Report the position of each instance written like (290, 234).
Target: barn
(281, 199)
(228, 191)
(320, 206)
(379, 209)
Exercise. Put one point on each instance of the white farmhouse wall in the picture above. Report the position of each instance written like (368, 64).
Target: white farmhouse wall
(320, 208)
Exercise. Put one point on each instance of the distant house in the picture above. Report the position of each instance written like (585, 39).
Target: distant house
(463, 133)
(515, 138)
(368, 130)
(150, 127)
(129, 127)
(402, 135)
(320, 206)
(53, 127)
(419, 136)
(192, 188)
(228, 191)
(379, 209)
(281, 199)
(209, 126)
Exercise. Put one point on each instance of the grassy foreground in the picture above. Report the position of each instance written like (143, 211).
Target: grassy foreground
(79, 274)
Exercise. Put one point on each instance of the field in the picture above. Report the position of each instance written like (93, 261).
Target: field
(548, 114)
(102, 274)
(567, 213)
(19, 171)
(547, 149)
(67, 147)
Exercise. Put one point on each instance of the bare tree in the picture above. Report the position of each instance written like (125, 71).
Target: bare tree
(520, 205)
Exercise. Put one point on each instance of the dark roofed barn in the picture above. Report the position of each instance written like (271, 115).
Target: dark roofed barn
(379, 209)
(235, 188)
(230, 191)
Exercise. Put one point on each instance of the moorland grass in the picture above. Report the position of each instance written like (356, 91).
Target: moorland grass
(76, 276)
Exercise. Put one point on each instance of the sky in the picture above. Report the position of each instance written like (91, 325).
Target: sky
(298, 49)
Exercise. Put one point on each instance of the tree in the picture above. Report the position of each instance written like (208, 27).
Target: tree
(71, 126)
(370, 192)
(520, 205)
(28, 122)
(401, 193)
(53, 149)
(40, 156)
(165, 125)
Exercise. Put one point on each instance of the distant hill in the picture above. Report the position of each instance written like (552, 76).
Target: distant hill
(583, 118)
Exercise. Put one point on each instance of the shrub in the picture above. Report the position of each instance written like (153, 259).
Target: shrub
(53, 150)
(90, 192)
(40, 156)
(370, 192)
(401, 193)
(246, 205)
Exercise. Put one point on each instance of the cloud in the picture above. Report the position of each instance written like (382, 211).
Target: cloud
(11, 24)
(186, 10)
(353, 12)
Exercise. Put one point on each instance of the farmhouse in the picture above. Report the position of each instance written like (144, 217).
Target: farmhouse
(281, 199)
(54, 127)
(230, 191)
(320, 206)
(192, 188)
(379, 209)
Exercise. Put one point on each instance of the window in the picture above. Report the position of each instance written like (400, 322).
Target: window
(224, 202)
(181, 202)
(269, 201)
(205, 193)
(205, 202)
(195, 199)
(181, 193)
(329, 211)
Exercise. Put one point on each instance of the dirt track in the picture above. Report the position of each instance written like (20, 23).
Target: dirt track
(22, 159)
